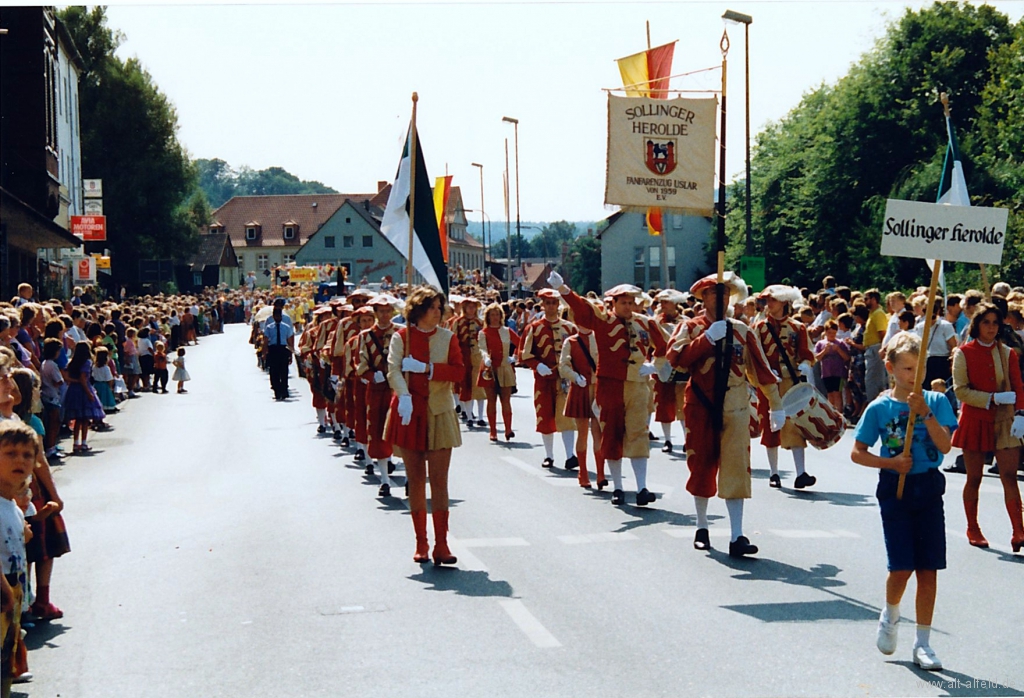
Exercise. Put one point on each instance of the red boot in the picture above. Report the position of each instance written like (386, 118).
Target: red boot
(974, 534)
(602, 481)
(1013, 508)
(442, 555)
(584, 474)
(419, 524)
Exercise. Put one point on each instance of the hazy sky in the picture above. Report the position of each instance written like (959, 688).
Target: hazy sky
(324, 90)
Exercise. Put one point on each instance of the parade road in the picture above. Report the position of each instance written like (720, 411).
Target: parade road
(220, 547)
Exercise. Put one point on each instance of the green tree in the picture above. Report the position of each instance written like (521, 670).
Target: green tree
(583, 264)
(552, 236)
(129, 139)
(216, 179)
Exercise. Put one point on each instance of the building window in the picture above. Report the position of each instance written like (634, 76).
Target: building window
(289, 258)
(655, 272)
(348, 221)
(328, 241)
(671, 257)
(289, 232)
(250, 233)
(639, 266)
(262, 262)
(677, 220)
(367, 241)
(348, 241)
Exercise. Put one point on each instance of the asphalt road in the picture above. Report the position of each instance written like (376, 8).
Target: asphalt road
(222, 548)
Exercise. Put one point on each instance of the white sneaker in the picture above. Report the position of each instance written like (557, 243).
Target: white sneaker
(924, 657)
(887, 635)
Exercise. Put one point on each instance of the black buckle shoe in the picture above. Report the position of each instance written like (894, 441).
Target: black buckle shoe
(369, 469)
(601, 484)
(481, 423)
(805, 480)
(344, 442)
(572, 463)
(321, 429)
(702, 540)
(384, 491)
(742, 546)
(548, 463)
(618, 498)
(667, 448)
(644, 497)
(775, 481)
(360, 456)
(337, 435)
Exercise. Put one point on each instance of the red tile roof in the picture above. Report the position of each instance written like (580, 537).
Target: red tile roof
(273, 212)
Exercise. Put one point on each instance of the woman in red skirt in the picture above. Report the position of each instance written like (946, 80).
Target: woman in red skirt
(497, 375)
(577, 365)
(424, 360)
(986, 379)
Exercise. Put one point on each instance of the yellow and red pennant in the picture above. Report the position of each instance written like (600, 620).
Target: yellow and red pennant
(442, 190)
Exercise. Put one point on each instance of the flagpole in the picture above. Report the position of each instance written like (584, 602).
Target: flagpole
(661, 213)
(412, 192)
(722, 297)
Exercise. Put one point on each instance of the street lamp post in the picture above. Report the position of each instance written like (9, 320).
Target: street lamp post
(483, 223)
(746, 21)
(519, 235)
(487, 273)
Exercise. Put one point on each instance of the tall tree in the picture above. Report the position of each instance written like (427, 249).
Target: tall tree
(583, 264)
(129, 140)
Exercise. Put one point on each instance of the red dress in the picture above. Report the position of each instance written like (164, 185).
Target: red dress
(497, 343)
(974, 380)
(582, 360)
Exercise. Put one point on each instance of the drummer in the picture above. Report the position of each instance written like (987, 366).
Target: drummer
(789, 353)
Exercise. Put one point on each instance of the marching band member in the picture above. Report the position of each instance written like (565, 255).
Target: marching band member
(497, 371)
(373, 365)
(319, 374)
(669, 394)
(624, 339)
(424, 360)
(357, 384)
(720, 462)
(987, 380)
(788, 349)
(344, 331)
(577, 365)
(466, 326)
(540, 349)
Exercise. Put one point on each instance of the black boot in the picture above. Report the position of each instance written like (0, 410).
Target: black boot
(742, 546)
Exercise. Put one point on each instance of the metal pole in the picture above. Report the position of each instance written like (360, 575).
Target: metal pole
(746, 47)
(483, 222)
(519, 235)
(412, 191)
(508, 232)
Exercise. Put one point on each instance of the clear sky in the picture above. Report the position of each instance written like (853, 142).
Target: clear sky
(324, 90)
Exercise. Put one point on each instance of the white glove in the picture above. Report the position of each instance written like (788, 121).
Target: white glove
(717, 330)
(487, 361)
(1017, 430)
(405, 409)
(413, 365)
(378, 377)
(806, 370)
(511, 359)
(580, 381)
(665, 372)
(555, 280)
(543, 370)
(595, 409)
(647, 369)
(1007, 398)
(776, 419)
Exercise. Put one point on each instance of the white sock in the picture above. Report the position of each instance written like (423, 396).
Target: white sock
(798, 460)
(892, 612)
(481, 410)
(682, 428)
(702, 511)
(382, 468)
(924, 633)
(640, 472)
(549, 445)
(666, 430)
(615, 466)
(735, 507)
(465, 408)
(569, 442)
(773, 459)
(321, 416)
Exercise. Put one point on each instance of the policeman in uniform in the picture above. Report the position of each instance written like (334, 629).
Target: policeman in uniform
(280, 343)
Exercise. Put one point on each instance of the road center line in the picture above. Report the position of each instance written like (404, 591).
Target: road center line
(529, 624)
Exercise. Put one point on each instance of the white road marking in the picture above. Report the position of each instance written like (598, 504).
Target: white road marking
(541, 473)
(492, 542)
(604, 537)
(811, 533)
(528, 623)
(467, 560)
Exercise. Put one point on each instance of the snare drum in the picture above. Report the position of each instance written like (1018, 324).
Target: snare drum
(818, 421)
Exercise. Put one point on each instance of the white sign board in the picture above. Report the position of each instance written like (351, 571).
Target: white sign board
(661, 153)
(93, 188)
(938, 231)
(94, 207)
(83, 270)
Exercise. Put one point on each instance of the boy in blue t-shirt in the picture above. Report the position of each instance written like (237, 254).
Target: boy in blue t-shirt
(914, 526)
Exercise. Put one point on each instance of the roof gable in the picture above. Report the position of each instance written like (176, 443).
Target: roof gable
(306, 211)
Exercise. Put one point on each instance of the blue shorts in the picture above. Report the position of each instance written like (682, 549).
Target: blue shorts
(915, 526)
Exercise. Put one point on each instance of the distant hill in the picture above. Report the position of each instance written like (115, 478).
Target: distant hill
(497, 228)
(219, 181)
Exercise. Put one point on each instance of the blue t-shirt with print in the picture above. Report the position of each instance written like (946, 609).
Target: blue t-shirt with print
(885, 419)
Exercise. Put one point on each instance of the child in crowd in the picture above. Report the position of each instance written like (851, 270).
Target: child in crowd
(132, 370)
(28, 387)
(103, 380)
(831, 352)
(160, 368)
(914, 526)
(50, 393)
(18, 453)
(180, 374)
(81, 404)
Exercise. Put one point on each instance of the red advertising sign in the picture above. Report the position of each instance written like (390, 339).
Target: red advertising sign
(90, 228)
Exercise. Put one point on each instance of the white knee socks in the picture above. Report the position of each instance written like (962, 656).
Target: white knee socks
(702, 511)
(773, 459)
(382, 468)
(615, 466)
(640, 472)
(735, 507)
(569, 442)
(682, 428)
(321, 416)
(467, 408)
(798, 460)
(549, 445)
(666, 430)
(481, 412)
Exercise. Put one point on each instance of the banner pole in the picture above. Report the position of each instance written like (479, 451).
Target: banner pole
(412, 192)
(922, 359)
(721, 367)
